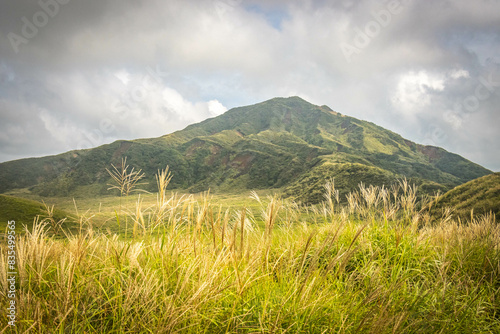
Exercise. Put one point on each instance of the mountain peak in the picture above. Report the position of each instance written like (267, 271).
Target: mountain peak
(284, 142)
(296, 102)
(291, 102)
(290, 99)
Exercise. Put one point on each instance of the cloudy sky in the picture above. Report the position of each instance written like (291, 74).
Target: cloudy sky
(78, 74)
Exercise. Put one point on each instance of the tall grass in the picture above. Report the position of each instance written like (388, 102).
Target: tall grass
(379, 265)
(125, 181)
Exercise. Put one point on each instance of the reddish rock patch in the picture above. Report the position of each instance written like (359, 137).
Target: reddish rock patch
(433, 153)
(194, 146)
(409, 144)
(242, 161)
(214, 151)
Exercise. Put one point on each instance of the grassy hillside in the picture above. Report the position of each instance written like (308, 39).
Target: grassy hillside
(24, 211)
(481, 195)
(189, 266)
(279, 143)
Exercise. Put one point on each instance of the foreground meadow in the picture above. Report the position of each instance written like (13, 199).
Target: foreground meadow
(189, 265)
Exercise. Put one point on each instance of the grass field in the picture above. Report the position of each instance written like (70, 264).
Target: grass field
(235, 264)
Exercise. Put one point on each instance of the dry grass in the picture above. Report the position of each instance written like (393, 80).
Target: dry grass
(378, 265)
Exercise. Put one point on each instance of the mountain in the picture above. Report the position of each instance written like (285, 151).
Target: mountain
(24, 211)
(283, 143)
(481, 195)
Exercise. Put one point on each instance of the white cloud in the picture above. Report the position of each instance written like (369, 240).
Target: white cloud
(457, 74)
(414, 91)
(216, 108)
(123, 76)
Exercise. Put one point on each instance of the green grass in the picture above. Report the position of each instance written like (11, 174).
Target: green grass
(24, 211)
(233, 264)
(481, 195)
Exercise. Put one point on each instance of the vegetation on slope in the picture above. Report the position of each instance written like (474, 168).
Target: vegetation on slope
(24, 211)
(480, 196)
(273, 144)
(309, 188)
(377, 265)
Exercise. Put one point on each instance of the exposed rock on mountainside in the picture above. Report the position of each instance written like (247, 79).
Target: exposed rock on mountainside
(281, 143)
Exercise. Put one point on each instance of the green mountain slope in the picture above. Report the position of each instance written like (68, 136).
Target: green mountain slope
(23, 211)
(282, 143)
(481, 195)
